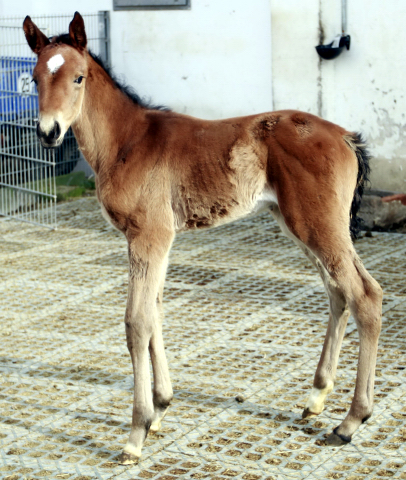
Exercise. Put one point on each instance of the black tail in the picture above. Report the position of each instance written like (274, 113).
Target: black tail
(357, 144)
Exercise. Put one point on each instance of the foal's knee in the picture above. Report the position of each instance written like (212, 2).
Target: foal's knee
(138, 333)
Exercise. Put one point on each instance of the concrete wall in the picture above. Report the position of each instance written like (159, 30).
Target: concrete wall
(51, 7)
(213, 60)
(363, 89)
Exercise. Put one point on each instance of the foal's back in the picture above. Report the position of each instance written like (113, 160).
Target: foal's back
(214, 172)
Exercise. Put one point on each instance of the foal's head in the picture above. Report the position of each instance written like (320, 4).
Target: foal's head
(60, 76)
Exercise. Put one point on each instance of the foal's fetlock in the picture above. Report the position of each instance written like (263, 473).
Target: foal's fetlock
(160, 409)
(342, 434)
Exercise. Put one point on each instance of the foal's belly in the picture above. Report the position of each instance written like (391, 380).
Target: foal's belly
(218, 212)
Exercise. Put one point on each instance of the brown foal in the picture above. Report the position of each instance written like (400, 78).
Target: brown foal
(160, 172)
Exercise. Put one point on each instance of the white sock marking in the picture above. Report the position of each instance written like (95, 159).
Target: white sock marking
(132, 450)
(55, 62)
(315, 403)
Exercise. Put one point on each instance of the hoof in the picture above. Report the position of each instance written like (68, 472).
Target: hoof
(337, 440)
(307, 413)
(127, 459)
(155, 427)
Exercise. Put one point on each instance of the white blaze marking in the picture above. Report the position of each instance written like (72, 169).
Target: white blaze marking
(55, 62)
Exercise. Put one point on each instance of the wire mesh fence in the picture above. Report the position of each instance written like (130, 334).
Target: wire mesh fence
(27, 170)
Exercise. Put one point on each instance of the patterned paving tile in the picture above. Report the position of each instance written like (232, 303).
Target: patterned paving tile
(246, 317)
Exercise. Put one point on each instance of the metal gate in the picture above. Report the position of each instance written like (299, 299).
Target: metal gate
(28, 171)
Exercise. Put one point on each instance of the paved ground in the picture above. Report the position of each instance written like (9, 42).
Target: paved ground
(245, 315)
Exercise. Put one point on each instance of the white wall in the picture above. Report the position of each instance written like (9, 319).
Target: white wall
(363, 89)
(213, 60)
(51, 7)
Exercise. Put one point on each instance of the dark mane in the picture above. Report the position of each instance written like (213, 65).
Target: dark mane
(126, 89)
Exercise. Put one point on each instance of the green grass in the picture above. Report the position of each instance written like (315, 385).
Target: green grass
(77, 179)
(73, 185)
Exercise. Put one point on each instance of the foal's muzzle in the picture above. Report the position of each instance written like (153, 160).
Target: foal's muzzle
(52, 138)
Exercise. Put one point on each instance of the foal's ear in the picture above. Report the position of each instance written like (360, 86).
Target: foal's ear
(35, 38)
(77, 32)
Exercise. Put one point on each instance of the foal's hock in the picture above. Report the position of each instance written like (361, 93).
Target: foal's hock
(160, 172)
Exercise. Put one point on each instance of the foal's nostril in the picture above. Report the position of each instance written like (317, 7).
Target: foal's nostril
(57, 130)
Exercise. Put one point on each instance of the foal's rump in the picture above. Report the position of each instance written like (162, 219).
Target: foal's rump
(313, 166)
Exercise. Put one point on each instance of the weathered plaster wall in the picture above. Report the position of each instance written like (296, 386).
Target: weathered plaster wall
(363, 89)
(52, 7)
(213, 60)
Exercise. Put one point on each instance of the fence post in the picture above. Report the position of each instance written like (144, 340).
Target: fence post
(104, 32)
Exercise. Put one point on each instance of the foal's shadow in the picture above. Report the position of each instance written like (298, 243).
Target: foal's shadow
(238, 418)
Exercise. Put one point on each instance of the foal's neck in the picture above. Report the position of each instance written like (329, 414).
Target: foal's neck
(108, 119)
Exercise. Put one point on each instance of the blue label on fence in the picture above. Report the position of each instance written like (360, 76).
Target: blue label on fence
(18, 95)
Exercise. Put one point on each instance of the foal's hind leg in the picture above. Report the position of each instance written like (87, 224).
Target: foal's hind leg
(364, 296)
(323, 383)
(324, 378)
(347, 280)
(352, 284)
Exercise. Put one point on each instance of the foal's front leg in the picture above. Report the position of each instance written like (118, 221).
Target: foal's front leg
(142, 324)
(162, 392)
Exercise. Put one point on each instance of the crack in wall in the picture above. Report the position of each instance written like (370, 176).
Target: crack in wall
(319, 67)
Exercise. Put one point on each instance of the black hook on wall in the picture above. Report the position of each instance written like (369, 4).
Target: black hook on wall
(333, 49)
(337, 46)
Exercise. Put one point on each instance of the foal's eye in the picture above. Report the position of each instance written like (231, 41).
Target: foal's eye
(79, 79)
(35, 81)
